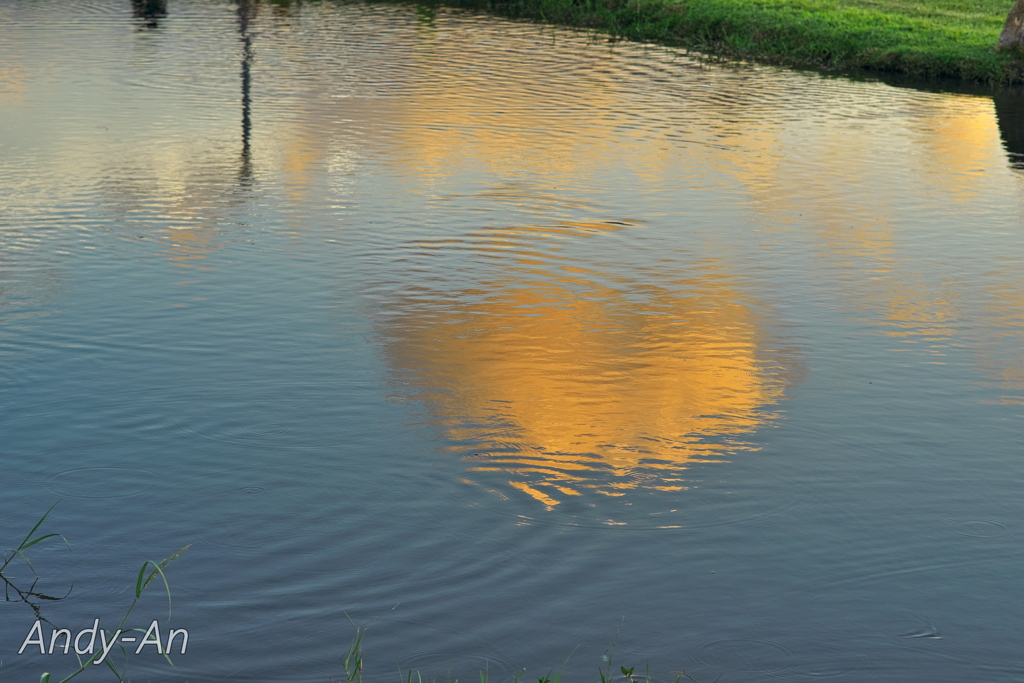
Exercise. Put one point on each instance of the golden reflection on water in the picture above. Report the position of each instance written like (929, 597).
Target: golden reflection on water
(951, 145)
(584, 380)
(564, 392)
(553, 374)
(563, 381)
(961, 144)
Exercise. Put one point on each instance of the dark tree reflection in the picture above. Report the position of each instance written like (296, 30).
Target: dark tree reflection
(150, 11)
(246, 11)
(1010, 116)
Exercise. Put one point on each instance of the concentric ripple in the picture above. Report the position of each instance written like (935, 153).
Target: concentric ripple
(978, 528)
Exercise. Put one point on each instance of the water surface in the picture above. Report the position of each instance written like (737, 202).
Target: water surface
(513, 342)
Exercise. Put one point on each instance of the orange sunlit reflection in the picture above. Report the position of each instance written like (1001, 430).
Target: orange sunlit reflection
(559, 380)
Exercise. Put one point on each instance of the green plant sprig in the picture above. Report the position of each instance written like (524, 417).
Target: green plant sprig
(143, 580)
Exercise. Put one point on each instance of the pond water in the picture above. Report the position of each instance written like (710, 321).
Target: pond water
(519, 346)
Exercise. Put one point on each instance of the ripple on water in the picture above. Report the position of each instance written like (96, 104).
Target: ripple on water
(470, 648)
(270, 511)
(706, 508)
(800, 658)
(102, 482)
(824, 660)
(279, 417)
(911, 625)
(453, 666)
(978, 528)
(257, 429)
(254, 517)
(760, 657)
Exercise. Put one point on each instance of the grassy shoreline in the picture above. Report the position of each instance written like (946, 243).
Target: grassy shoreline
(919, 38)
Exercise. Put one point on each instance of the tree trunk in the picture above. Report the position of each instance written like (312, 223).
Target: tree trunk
(1012, 37)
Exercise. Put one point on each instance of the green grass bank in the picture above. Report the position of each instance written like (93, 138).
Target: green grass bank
(919, 38)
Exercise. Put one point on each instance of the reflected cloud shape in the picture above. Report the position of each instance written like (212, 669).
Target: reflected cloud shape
(563, 379)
